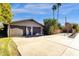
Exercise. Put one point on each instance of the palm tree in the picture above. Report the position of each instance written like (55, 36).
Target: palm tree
(57, 7)
(54, 8)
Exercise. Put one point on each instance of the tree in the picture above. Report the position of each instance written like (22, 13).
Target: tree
(53, 29)
(5, 13)
(54, 9)
(47, 23)
(58, 6)
(75, 27)
(50, 26)
(60, 26)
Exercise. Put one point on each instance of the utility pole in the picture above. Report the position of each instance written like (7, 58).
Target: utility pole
(65, 19)
(65, 22)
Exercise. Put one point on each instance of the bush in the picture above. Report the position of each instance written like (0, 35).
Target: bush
(51, 26)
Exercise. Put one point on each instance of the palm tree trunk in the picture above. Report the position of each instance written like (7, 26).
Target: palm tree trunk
(58, 14)
(53, 14)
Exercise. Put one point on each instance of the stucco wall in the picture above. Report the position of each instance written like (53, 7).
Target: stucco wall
(19, 32)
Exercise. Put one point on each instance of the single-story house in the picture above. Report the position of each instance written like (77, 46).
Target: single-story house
(27, 27)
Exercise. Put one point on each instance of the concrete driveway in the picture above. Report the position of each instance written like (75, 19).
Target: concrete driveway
(53, 45)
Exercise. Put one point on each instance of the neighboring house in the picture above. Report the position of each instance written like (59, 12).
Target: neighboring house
(27, 27)
(68, 28)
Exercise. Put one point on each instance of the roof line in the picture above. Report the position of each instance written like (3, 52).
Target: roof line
(28, 20)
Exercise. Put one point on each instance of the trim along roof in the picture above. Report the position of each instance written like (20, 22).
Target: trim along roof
(27, 20)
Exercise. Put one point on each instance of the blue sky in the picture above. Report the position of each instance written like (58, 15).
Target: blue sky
(40, 11)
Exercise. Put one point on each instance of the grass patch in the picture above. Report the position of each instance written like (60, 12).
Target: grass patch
(8, 47)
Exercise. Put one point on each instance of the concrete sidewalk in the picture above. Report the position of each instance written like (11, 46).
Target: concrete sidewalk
(53, 45)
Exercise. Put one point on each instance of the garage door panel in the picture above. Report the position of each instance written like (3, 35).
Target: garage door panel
(16, 32)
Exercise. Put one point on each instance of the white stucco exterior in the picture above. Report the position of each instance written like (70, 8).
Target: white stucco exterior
(27, 24)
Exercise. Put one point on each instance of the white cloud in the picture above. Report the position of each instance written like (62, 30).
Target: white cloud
(19, 10)
(32, 8)
(27, 11)
(39, 6)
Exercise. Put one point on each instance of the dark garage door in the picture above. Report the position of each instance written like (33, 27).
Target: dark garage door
(36, 30)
